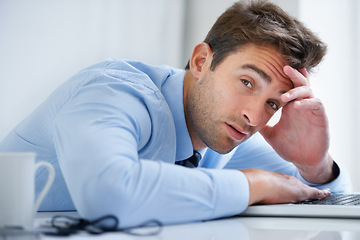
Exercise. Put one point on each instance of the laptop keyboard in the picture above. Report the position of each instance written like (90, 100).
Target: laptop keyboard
(336, 199)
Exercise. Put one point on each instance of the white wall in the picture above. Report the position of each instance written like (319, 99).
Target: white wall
(43, 42)
(200, 16)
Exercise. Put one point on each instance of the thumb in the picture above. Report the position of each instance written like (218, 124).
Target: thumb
(266, 132)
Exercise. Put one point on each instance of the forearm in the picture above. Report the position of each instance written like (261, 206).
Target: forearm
(168, 193)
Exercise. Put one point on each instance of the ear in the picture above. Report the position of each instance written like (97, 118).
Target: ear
(200, 59)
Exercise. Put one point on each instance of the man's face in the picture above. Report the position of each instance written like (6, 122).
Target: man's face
(228, 105)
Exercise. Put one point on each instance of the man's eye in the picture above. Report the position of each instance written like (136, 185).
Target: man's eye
(273, 105)
(246, 83)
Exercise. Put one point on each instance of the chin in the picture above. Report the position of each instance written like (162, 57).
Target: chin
(224, 146)
(223, 149)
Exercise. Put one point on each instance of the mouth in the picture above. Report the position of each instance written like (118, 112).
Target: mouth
(236, 132)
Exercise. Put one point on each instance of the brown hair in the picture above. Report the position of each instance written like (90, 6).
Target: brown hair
(263, 23)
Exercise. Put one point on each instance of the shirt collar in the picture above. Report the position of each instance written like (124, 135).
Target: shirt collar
(173, 89)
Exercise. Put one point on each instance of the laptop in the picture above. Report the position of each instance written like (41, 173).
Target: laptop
(344, 205)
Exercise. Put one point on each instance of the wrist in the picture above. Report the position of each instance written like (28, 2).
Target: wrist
(257, 184)
(324, 172)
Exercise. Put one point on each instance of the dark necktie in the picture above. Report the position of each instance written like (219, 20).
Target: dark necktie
(191, 162)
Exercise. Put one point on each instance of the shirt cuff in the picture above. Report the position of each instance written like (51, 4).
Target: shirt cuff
(232, 191)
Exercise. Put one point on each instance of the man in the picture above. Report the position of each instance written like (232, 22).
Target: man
(119, 132)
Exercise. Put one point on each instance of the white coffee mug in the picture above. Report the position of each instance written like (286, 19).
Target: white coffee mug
(17, 188)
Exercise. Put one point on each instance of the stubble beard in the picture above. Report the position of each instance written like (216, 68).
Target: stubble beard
(202, 105)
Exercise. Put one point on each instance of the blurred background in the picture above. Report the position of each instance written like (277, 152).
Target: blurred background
(44, 42)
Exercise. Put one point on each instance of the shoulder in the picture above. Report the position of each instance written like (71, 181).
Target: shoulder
(132, 71)
(111, 79)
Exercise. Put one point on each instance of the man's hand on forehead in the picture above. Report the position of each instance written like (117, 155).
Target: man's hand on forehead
(302, 135)
(301, 83)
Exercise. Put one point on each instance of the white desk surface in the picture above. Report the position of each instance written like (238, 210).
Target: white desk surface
(239, 228)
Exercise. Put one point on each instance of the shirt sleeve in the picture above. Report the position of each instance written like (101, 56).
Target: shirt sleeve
(257, 153)
(98, 135)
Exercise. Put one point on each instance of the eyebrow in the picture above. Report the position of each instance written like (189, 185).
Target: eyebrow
(258, 71)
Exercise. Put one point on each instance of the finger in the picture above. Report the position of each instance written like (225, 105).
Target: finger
(266, 132)
(304, 72)
(312, 104)
(297, 93)
(312, 193)
(296, 77)
(320, 194)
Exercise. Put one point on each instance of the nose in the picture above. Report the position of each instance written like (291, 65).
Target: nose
(253, 114)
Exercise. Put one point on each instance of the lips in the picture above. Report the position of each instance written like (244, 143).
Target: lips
(236, 133)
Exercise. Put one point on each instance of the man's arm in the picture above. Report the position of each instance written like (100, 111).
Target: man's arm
(302, 134)
(98, 137)
(256, 153)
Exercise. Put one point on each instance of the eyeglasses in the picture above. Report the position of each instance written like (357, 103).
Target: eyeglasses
(66, 225)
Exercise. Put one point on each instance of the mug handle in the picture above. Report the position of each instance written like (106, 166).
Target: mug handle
(48, 184)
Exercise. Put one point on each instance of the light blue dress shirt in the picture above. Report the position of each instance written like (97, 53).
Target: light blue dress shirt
(113, 133)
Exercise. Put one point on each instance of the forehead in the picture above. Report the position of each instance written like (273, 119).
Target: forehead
(264, 61)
